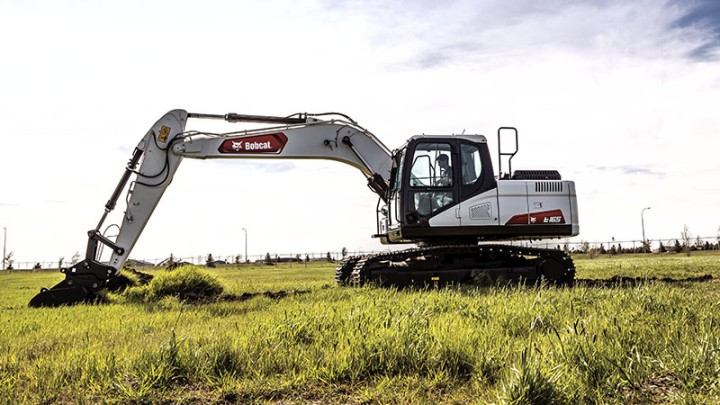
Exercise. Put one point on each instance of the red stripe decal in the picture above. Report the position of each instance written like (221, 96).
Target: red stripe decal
(538, 218)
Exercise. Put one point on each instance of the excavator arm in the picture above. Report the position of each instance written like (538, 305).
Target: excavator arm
(156, 158)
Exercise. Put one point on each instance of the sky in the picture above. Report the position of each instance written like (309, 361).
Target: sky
(620, 97)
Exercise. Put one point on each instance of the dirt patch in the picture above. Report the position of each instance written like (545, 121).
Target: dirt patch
(270, 294)
(142, 278)
(276, 295)
(656, 389)
(620, 281)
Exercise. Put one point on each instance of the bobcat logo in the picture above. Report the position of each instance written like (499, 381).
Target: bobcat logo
(236, 146)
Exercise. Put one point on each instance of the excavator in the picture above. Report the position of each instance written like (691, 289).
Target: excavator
(438, 192)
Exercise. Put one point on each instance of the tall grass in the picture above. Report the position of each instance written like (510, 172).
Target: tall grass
(524, 345)
(187, 283)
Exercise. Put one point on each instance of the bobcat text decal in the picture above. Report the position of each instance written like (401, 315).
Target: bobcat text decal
(253, 145)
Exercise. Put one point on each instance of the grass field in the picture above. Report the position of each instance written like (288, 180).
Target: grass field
(653, 342)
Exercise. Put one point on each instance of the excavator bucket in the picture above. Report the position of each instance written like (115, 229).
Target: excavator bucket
(57, 296)
(82, 283)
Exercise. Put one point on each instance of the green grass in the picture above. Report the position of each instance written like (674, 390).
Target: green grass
(650, 343)
(649, 265)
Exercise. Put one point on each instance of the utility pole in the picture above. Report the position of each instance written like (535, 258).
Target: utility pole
(642, 222)
(247, 260)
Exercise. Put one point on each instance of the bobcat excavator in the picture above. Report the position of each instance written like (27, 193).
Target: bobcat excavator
(437, 192)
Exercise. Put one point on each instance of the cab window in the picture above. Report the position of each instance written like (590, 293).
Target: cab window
(431, 171)
(471, 166)
(431, 166)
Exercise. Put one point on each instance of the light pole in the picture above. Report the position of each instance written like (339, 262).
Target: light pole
(642, 222)
(246, 256)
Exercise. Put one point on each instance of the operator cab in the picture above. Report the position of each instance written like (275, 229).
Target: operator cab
(431, 176)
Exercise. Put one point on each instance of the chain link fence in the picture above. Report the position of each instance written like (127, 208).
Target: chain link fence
(610, 246)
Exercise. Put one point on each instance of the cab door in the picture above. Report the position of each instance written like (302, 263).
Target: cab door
(478, 188)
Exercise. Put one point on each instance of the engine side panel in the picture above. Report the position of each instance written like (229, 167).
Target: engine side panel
(516, 209)
(548, 207)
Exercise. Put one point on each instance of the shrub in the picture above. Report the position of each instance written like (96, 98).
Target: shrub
(187, 283)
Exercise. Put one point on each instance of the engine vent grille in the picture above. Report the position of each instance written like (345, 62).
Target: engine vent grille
(548, 187)
(536, 175)
(482, 211)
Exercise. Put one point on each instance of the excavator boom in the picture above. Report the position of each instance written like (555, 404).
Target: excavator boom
(155, 160)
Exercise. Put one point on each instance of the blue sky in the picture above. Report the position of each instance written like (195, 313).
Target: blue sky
(620, 97)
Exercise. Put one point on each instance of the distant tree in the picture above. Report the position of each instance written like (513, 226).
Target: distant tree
(170, 262)
(210, 262)
(602, 249)
(329, 257)
(343, 252)
(620, 248)
(8, 260)
(662, 248)
(613, 250)
(593, 252)
(268, 259)
(298, 258)
(584, 247)
(307, 258)
(685, 234)
(237, 259)
(60, 262)
(698, 243)
(678, 247)
(37, 266)
(75, 258)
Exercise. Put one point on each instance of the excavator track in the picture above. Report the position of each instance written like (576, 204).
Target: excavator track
(344, 270)
(457, 264)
